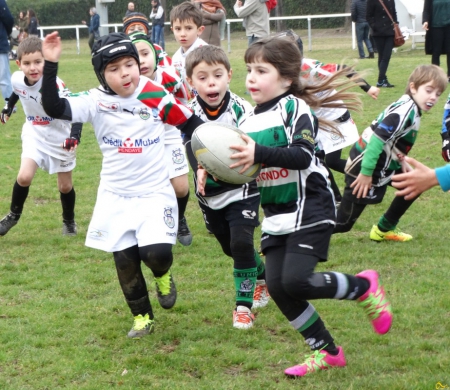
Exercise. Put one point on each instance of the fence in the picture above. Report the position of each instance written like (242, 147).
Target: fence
(116, 27)
(309, 18)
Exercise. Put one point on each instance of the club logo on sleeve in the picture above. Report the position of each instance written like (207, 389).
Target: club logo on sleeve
(23, 93)
(103, 106)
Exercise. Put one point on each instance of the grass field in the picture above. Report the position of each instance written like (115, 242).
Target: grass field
(63, 318)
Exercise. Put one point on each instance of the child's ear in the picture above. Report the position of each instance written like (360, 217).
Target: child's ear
(229, 75)
(18, 63)
(412, 88)
(200, 30)
(189, 80)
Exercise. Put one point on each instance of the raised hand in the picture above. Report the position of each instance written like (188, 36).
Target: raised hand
(51, 47)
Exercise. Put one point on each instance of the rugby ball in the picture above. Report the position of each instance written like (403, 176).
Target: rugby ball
(211, 146)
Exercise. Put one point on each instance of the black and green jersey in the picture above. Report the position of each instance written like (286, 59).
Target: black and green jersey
(294, 186)
(391, 135)
(217, 195)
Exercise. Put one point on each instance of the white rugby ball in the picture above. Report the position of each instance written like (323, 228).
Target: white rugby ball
(211, 146)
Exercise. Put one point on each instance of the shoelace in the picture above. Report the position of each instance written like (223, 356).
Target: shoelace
(315, 362)
(243, 317)
(259, 291)
(163, 284)
(141, 322)
(183, 229)
(374, 304)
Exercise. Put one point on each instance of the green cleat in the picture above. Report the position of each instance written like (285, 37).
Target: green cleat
(142, 326)
(392, 235)
(166, 290)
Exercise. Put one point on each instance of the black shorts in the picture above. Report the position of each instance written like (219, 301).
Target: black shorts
(313, 241)
(244, 212)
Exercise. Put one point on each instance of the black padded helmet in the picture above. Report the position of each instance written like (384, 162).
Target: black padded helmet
(108, 48)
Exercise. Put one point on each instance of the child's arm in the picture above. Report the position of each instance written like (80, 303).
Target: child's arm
(9, 107)
(445, 131)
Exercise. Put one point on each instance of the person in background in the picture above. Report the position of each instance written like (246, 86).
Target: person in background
(212, 12)
(130, 9)
(383, 35)
(33, 23)
(436, 23)
(358, 11)
(157, 18)
(22, 24)
(6, 25)
(93, 26)
(256, 19)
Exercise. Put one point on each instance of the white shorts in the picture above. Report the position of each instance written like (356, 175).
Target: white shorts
(176, 159)
(330, 142)
(45, 161)
(121, 222)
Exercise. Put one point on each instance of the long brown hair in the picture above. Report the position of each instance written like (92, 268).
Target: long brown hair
(285, 56)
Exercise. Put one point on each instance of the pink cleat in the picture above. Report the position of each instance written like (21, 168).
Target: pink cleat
(319, 360)
(375, 304)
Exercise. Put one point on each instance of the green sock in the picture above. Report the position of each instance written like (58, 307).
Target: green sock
(385, 225)
(260, 267)
(244, 282)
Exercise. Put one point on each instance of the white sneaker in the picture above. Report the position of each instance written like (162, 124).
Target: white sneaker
(243, 318)
(261, 295)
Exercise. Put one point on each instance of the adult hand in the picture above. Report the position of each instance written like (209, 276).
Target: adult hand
(51, 47)
(413, 183)
(425, 26)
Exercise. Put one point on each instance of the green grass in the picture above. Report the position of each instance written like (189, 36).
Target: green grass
(63, 319)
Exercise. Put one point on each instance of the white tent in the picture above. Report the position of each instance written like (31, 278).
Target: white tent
(409, 14)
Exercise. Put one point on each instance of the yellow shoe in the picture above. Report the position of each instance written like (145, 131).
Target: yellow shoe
(392, 235)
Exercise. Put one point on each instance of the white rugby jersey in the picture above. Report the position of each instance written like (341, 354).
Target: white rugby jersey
(130, 133)
(179, 58)
(217, 196)
(291, 199)
(47, 133)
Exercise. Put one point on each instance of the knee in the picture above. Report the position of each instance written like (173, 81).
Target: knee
(297, 286)
(158, 257)
(180, 185)
(65, 188)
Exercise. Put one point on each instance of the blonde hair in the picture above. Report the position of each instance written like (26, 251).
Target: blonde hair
(286, 57)
(424, 74)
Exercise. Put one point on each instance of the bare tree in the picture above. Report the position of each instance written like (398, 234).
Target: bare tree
(281, 24)
(348, 21)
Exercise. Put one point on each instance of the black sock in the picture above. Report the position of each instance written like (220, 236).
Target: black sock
(68, 205)
(318, 337)
(19, 196)
(182, 204)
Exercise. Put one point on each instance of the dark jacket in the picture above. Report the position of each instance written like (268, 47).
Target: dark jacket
(378, 19)
(94, 24)
(358, 11)
(6, 25)
(33, 26)
(427, 17)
